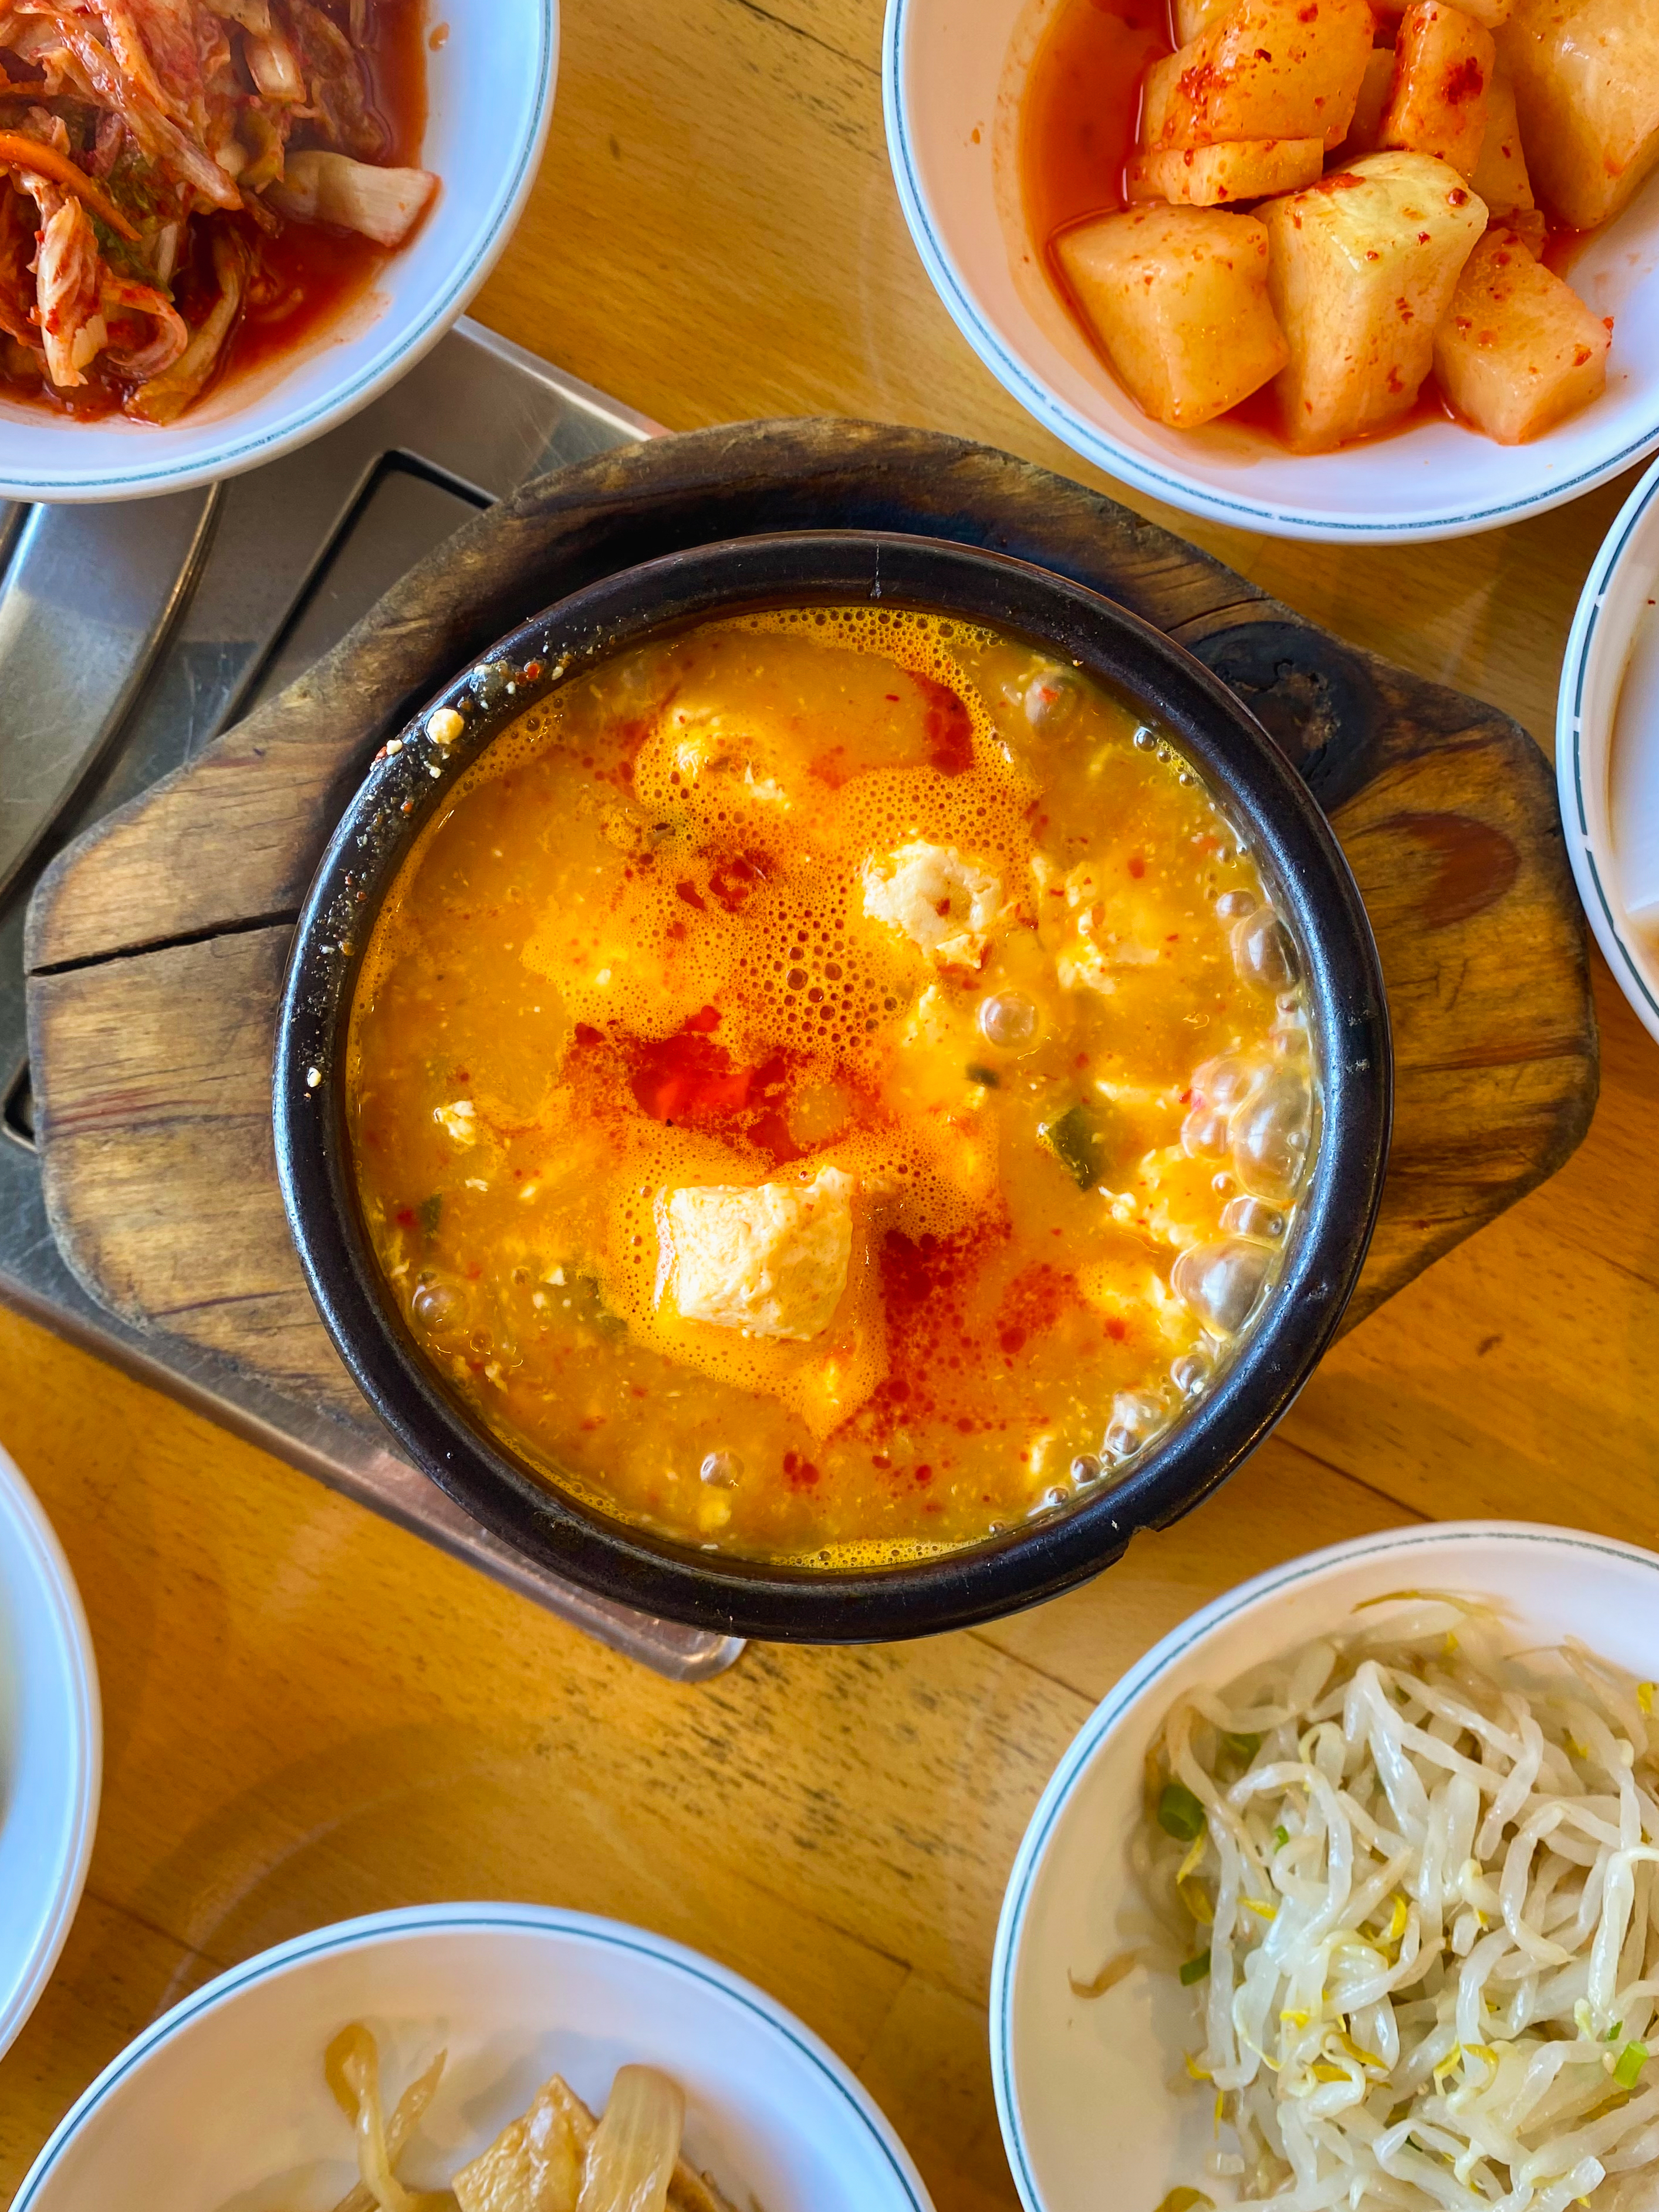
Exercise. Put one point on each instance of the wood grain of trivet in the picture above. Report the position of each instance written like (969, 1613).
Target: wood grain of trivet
(156, 943)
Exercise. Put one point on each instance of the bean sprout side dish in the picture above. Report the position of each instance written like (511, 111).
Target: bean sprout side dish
(1413, 1883)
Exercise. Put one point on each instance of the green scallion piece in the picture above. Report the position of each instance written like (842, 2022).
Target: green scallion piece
(988, 1076)
(1281, 1837)
(1194, 1970)
(1631, 2059)
(1241, 1747)
(1180, 1813)
(430, 1211)
(1076, 1140)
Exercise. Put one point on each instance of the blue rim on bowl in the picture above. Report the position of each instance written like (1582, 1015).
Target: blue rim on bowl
(1582, 640)
(460, 1919)
(57, 1751)
(1120, 460)
(391, 360)
(1147, 1671)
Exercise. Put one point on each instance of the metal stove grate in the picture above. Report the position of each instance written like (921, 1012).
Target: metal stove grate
(131, 636)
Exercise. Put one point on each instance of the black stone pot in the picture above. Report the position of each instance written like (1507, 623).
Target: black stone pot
(1300, 862)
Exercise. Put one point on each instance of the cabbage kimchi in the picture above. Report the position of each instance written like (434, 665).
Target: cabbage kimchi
(188, 185)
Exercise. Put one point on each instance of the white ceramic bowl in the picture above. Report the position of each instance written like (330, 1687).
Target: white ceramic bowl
(222, 2102)
(1084, 2087)
(50, 1750)
(489, 99)
(952, 70)
(1607, 749)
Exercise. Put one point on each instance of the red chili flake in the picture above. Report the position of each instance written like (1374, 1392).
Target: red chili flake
(594, 1421)
(1032, 1304)
(688, 1079)
(950, 727)
(801, 1473)
(1137, 865)
(924, 1474)
(692, 897)
(404, 1216)
(1117, 1330)
(586, 1034)
(1082, 1060)
(532, 669)
(734, 880)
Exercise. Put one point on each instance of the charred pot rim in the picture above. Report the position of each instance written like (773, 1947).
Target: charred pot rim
(1299, 860)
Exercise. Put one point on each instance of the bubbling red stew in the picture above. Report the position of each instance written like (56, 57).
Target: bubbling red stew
(830, 1085)
(188, 187)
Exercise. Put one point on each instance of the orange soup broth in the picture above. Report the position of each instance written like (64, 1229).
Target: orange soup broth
(630, 955)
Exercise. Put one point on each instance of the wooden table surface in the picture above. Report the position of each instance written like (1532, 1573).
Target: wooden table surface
(310, 1714)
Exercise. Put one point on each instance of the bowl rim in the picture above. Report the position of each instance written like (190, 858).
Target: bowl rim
(1293, 844)
(1130, 1692)
(1586, 641)
(33, 1542)
(401, 1923)
(1312, 524)
(234, 451)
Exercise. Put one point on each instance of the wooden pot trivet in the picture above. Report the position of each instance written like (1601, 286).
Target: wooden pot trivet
(156, 943)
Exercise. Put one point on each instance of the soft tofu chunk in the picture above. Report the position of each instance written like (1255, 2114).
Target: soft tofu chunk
(770, 1259)
(1587, 84)
(1178, 297)
(1267, 69)
(458, 1121)
(1519, 350)
(1238, 169)
(1443, 65)
(1500, 175)
(709, 750)
(1102, 929)
(1364, 265)
(1364, 132)
(945, 905)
